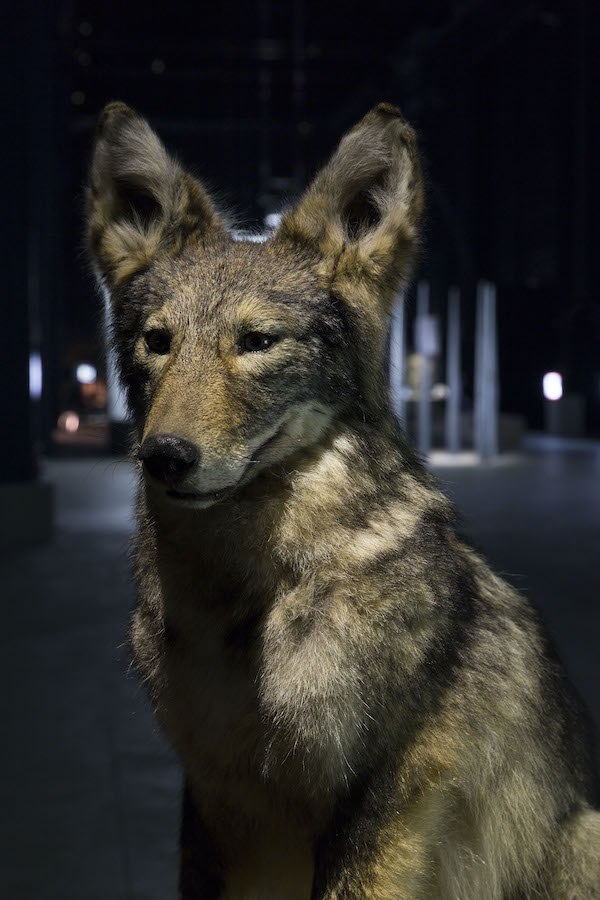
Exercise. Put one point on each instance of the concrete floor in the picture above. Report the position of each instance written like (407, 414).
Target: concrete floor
(90, 809)
(90, 791)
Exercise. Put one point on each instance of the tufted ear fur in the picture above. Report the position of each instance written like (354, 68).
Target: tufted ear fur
(139, 199)
(361, 212)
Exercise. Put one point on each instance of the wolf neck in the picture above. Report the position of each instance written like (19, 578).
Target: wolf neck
(345, 496)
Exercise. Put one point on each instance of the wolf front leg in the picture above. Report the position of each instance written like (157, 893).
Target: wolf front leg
(403, 871)
(376, 855)
(200, 872)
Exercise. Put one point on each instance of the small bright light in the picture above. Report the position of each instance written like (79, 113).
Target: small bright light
(272, 220)
(68, 421)
(85, 373)
(35, 376)
(440, 392)
(552, 386)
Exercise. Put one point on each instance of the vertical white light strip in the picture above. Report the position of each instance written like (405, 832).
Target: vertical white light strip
(398, 358)
(453, 372)
(35, 376)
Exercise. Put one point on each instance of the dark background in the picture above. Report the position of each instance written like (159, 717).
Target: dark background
(254, 96)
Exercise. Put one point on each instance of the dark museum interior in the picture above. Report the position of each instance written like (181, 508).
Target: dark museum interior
(252, 98)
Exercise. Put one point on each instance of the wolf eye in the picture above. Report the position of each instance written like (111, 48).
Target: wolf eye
(158, 341)
(255, 341)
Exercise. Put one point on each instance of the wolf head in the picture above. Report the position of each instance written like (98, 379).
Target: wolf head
(237, 355)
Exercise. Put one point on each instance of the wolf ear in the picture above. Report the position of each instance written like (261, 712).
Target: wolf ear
(361, 212)
(139, 199)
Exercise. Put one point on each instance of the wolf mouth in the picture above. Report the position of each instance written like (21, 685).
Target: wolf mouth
(267, 443)
(214, 496)
(189, 495)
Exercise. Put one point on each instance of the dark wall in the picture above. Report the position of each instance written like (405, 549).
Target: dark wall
(254, 96)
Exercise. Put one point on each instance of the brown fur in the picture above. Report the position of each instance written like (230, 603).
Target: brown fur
(361, 707)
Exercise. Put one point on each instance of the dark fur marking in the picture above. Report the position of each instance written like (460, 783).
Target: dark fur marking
(241, 636)
(201, 872)
(172, 636)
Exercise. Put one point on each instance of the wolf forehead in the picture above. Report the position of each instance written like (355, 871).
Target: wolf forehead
(239, 281)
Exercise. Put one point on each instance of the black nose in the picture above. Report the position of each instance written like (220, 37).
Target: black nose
(167, 457)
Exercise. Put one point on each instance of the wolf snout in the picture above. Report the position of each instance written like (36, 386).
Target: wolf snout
(167, 457)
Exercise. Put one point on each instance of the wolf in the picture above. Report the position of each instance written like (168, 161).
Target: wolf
(362, 708)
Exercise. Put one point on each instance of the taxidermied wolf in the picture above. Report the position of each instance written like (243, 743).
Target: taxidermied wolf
(361, 707)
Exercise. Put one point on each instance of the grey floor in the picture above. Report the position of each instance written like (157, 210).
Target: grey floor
(89, 802)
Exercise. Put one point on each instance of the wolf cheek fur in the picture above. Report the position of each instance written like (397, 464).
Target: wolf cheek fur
(362, 708)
